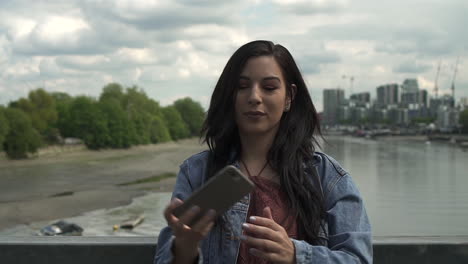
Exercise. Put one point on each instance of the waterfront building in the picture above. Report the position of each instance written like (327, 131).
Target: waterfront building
(387, 94)
(357, 114)
(410, 93)
(436, 103)
(447, 118)
(361, 97)
(418, 112)
(419, 97)
(409, 98)
(422, 99)
(378, 114)
(332, 100)
(463, 104)
(409, 86)
(344, 114)
(398, 116)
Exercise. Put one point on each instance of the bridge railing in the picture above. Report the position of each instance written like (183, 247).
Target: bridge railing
(117, 250)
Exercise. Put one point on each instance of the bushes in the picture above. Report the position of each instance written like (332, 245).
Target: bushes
(4, 127)
(177, 128)
(192, 114)
(22, 137)
(119, 119)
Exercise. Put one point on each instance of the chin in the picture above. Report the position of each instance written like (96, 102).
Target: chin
(256, 130)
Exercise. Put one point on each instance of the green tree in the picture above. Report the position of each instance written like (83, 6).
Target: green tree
(140, 111)
(112, 91)
(119, 126)
(40, 106)
(158, 131)
(192, 113)
(22, 137)
(45, 114)
(4, 127)
(89, 123)
(464, 120)
(63, 102)
(175, 124)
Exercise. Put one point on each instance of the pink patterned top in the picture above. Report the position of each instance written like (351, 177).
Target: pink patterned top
(268, 193)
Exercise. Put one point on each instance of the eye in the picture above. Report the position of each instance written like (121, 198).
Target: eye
(269, 88)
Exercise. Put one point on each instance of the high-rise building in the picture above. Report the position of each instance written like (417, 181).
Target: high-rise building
(387, 95)
(409, 98)
(464, 102)
(361, 97)
(332, 99)
(419, 98)
(411, 95)
(436, 103)
(447, 118)
(409, 86)
(423, 96)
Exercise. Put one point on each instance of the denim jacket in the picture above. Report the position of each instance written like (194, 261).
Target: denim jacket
(347, 236)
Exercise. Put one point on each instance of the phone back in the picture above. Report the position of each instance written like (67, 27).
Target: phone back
(220, 192)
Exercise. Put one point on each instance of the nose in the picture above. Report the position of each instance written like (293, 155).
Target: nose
(254, 95)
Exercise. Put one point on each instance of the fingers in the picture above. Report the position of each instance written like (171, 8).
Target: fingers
(266, 222)
(206, 219)
(170, 218)
(280, 249)
(187, 217)
(261, 232)
(261, 244)
(267, 213)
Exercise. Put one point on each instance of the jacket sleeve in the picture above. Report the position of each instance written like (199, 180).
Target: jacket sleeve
(182, 190)
(349, 231)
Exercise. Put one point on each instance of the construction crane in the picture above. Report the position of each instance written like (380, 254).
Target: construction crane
(351, 80)
(436, 89)
(453, 79)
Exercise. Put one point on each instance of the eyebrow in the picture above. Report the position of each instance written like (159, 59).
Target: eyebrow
(264, 79)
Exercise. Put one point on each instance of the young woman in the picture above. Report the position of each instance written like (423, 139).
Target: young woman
(304, 209)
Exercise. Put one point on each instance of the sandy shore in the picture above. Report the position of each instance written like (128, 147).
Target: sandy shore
(61, 184)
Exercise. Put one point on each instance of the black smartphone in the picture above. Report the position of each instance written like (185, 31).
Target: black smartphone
(220, 192)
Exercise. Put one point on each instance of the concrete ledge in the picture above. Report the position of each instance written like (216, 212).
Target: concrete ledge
(116, 250)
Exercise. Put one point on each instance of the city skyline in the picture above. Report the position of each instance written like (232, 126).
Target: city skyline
(373, 95)
(174, 49)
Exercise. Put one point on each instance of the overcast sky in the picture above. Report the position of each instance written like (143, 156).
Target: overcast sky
(174, 49)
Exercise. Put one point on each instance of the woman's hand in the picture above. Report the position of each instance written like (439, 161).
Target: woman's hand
(187, 237)
(268, 240)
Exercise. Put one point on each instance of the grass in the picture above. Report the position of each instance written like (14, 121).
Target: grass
(155, 178)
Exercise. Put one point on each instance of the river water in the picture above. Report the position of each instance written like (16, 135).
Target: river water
(410, 188)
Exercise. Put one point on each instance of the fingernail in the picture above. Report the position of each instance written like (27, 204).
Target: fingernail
(243, 237)
(195, 209)
(253, 218)
(245, 225)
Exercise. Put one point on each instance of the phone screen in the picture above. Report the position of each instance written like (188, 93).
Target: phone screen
(220, 192)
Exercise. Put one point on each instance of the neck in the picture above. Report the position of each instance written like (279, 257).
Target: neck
(254, 148)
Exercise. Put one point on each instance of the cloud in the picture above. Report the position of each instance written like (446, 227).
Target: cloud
(179, 47)
(411, 67)
(311, 63)
(311, 7)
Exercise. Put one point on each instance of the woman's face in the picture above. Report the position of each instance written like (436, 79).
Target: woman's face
(261, 97)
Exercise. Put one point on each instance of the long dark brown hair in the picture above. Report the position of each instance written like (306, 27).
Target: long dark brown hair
(293, 145)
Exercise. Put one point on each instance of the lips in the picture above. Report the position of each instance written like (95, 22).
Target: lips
(254, 114)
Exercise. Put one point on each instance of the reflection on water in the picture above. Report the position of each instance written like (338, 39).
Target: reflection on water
(409, 188)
